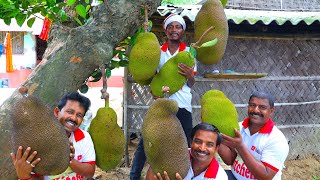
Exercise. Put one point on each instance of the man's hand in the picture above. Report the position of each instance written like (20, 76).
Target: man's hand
(165, 90)
(72, 151)
(166, 177)
(186, 70)
(24, 163)
(233, 142)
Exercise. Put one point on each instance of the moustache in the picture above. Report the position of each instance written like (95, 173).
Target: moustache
(202, 152)
(258, 114)
(71, 120)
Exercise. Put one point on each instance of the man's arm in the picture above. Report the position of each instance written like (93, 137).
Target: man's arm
(256, 167)
(83, 169)
(188, 73)
(228, 155)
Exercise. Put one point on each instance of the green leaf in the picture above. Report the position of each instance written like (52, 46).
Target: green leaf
(88, 8)
(81, 10)
(84, 88)
(51, 3)
(95, 72)
(31, 21)
(24, 4)
(224, 2)
(56, 9)
(78, 21)
(123, 63)
(20, 18)
(87, 1)
(114, 64)
(12, 13)
(209, 43)
(7, 21)
(193, 52)
(71, 2)
(63, 16)
(108, 73)
(97, 76)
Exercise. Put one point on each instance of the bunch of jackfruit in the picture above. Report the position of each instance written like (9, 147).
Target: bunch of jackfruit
(165, 143)
(144, 58)
(218, 110)
(108, 138)
(35, 126)
(211, 14)
(169, 74)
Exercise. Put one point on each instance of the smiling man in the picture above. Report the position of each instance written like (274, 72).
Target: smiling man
(70, 112)
(206, 140)
(259, 149)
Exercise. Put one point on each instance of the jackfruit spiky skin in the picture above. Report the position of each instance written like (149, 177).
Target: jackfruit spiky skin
(211, 14)
(108, 139)
(169, 75)
(144, 57)
(218, 110)
(165, 143)
(35, 126)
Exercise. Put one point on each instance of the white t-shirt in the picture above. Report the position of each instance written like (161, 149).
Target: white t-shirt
(183, 96)
(269, 146)
(84, 152)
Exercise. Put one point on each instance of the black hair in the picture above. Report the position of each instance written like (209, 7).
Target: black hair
(207, 127)
(75, 96)
(263, 95)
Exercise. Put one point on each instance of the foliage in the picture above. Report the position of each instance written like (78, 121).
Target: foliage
(28, 10)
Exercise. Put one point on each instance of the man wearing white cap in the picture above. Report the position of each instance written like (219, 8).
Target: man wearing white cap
(174, 27)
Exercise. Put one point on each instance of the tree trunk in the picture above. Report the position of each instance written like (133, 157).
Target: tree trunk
(72, 55)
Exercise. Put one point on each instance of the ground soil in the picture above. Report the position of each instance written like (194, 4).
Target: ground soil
(306, 169)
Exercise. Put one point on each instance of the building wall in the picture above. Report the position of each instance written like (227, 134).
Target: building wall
(24, 52)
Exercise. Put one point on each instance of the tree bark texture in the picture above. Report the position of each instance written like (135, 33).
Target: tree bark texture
(72, 55)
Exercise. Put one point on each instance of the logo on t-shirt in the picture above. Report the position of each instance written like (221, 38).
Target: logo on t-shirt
(79, 157)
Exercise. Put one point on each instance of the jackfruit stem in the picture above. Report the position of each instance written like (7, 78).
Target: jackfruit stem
(104, 93)
(197, 44)
(146, 23)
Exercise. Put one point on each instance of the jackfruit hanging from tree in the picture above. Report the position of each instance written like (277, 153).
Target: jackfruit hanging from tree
(35, 126)
(144, 57)
(107, 136)
(218, 110)
(211, 14)
(165, 143)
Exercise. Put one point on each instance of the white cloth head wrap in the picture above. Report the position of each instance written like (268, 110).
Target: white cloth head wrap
(174, 17)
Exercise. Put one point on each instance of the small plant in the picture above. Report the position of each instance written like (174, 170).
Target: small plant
(315, 177)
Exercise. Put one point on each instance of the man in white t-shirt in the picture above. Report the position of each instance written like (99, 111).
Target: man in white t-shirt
(174, 27)
(259, 149)
(70, 112)
(206, 140)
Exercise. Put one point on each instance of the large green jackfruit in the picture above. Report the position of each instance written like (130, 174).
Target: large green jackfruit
(211, 14)
(165, 143)
(169, 75)
(35, 126)
(144, 57)
(218, 110)
(108, 139)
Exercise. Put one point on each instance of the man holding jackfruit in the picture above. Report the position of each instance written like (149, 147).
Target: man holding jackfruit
(174, 27)
(259, 149)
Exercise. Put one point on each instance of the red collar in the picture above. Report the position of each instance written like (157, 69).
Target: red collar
(182, 47)
(212, 170)
(78, 134)
(266, 129)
